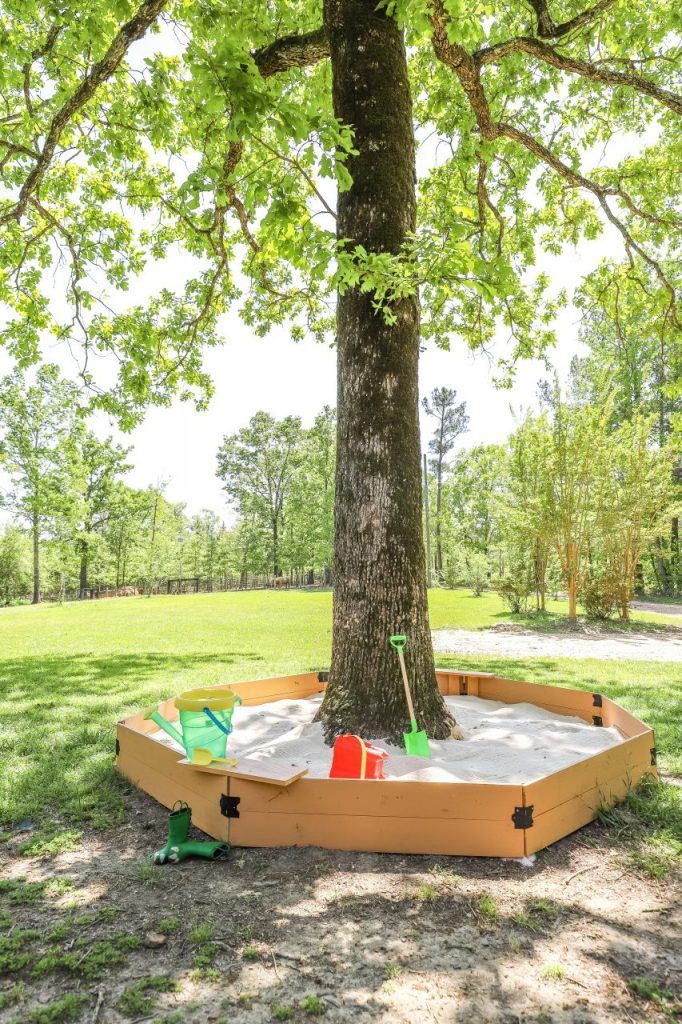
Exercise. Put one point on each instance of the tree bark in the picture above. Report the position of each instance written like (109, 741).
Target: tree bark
(35, 530)
(83, 574)
(379, 564)
(439, 506)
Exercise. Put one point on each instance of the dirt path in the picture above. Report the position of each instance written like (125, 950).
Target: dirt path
(654, 606)
(375, 939)
(512, 641)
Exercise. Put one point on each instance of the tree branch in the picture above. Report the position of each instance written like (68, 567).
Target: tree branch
(464, 65)
(547, 54)
(100, 72)
(295, 51)
(547, 28)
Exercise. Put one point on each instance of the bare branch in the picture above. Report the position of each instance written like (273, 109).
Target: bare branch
(547, 54)
(100, 72)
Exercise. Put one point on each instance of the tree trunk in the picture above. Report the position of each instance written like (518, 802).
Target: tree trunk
(35, 531)
(439, 505)
(276, 571)
(379, 564)
(83, 576)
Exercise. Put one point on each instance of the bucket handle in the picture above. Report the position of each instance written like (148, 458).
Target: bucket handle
(209, 713)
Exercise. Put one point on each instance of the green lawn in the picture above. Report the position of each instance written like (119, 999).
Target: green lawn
(68, 672)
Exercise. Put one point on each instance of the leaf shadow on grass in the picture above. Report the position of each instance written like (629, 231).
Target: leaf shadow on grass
(58, 724)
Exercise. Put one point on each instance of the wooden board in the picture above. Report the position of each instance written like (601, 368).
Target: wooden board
(378, 835)
(413, 801)
(558, 699)
(270, 772)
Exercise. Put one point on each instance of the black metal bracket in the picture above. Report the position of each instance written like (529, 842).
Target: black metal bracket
(323, 677)
(654, 756)
(597, 720)
(118, 748)
(523, 816)
(464, 686)
(597, 701)
(228, 806)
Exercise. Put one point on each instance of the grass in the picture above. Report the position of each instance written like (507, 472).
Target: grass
(68, 672)
(486, 909)
(141, 997)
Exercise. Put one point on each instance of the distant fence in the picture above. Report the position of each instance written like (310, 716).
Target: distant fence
(294, 579)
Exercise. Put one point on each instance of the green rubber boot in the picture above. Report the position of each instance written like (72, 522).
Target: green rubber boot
(179, 846)
(195, 848)
(179, 821)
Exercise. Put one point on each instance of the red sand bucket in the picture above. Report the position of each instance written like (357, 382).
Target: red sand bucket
(355, 759)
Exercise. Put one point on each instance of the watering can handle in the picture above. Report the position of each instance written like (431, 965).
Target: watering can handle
(209, 713)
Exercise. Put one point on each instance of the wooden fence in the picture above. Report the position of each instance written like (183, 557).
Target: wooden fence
(293, 579)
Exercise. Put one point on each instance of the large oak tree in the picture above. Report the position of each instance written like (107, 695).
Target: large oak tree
(217, 142)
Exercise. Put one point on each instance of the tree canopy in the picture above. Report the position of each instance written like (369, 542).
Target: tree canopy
(213, 143)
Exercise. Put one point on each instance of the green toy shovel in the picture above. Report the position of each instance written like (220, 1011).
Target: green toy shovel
(416, 741)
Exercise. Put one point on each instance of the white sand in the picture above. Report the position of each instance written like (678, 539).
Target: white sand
(514, 743)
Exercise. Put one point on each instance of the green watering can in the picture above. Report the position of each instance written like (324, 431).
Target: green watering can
(205, 720)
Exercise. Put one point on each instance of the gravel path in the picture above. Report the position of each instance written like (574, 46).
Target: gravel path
(518, 642)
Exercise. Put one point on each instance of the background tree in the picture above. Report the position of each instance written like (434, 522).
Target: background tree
(527, 509)
(221, 148)
(575, 475)
(257, 466)
(635, 503)
(95, 467)
(630, 337)
(15, 565)
(451, 421)
(37, 422)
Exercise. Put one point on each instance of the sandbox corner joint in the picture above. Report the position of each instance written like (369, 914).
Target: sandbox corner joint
(523, 816)
(229, 806)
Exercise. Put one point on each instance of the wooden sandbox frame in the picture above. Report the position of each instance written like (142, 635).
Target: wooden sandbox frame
(456, 818)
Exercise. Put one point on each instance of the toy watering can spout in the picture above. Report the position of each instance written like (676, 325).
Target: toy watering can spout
(154, 715)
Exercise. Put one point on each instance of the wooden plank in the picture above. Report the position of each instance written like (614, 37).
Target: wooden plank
(624, 760)
(624, 721)
(379, 835)
(456, 684)
(558, 699)
(270, 772)
(567, 817)
(260, 691)
(452, 801)
(205, 809)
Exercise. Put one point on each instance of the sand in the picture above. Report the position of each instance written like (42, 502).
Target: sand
(513, 743)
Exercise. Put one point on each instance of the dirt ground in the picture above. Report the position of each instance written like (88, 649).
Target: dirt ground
(581, 641)
(296, 934)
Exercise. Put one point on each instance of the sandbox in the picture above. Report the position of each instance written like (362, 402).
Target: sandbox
(537, 763)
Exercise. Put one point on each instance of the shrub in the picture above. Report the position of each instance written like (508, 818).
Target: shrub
(599, 594)
(515, 591)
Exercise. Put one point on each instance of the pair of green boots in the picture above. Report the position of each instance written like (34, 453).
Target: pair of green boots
(179, 847)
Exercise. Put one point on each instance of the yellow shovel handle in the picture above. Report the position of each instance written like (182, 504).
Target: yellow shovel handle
(407, 685)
